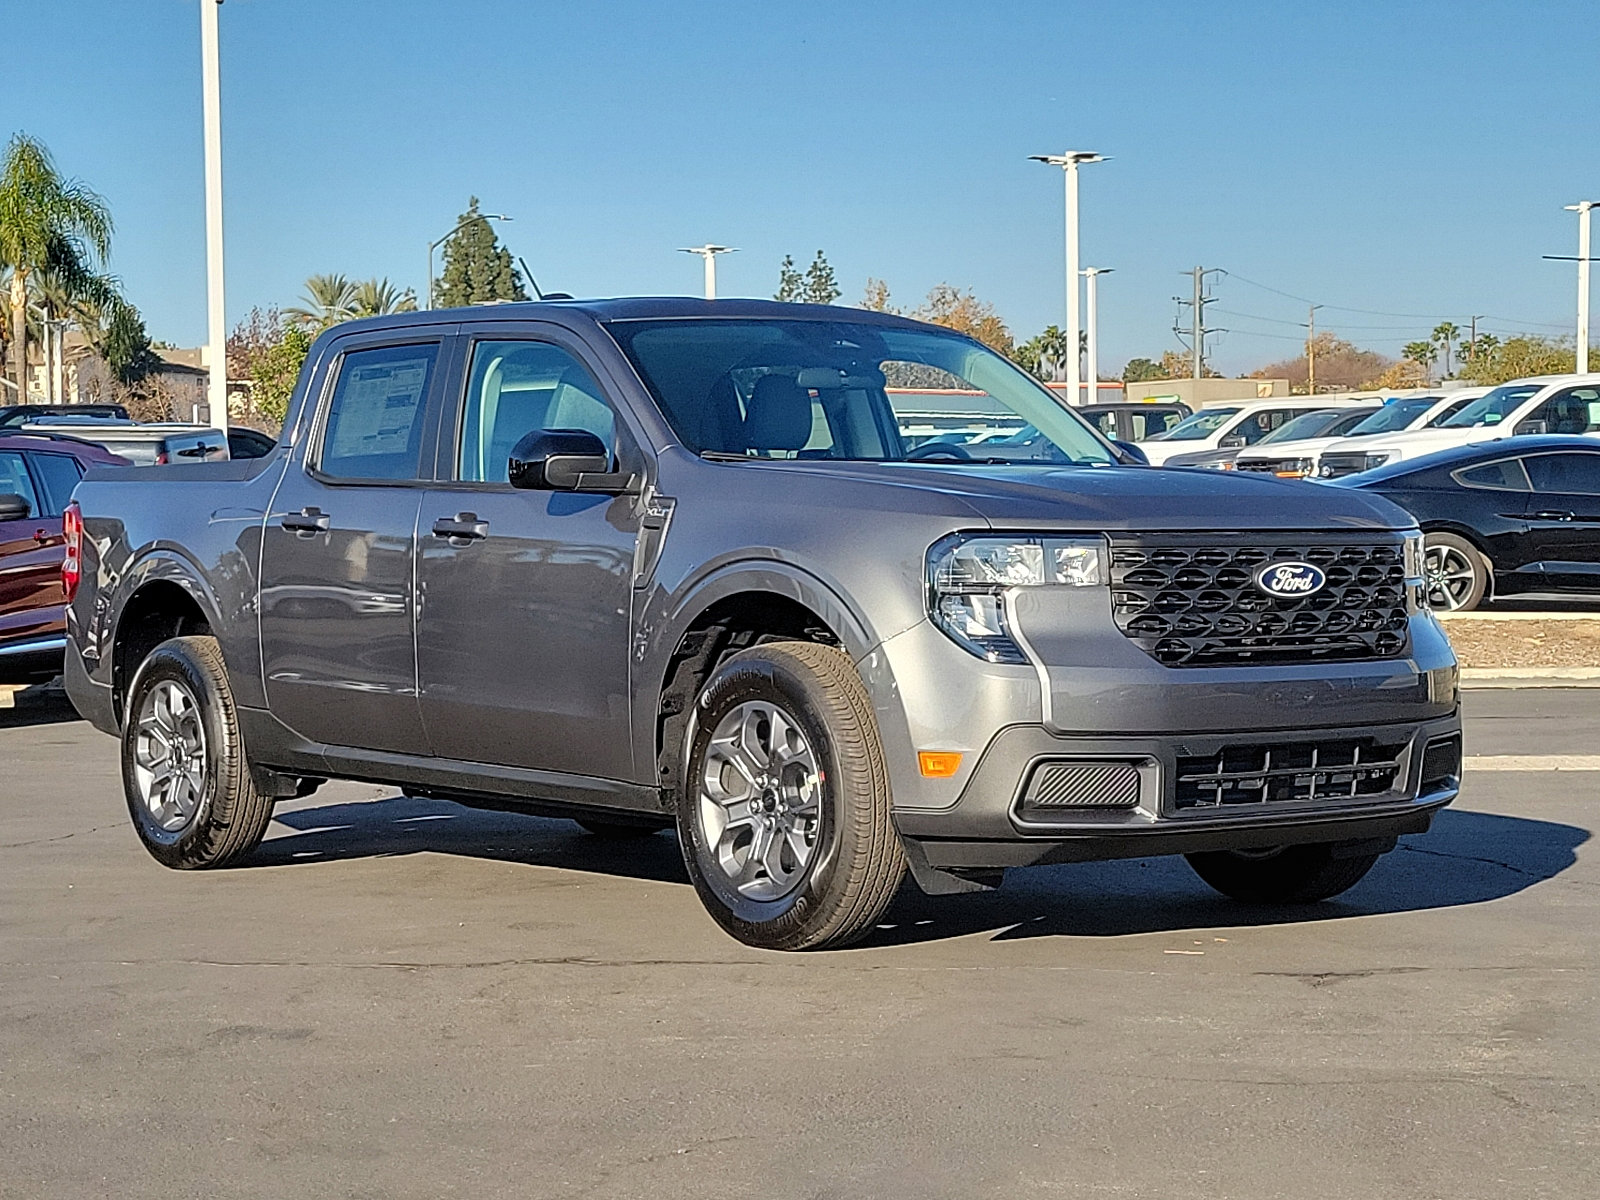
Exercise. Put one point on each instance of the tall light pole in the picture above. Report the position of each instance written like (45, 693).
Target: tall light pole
(709, 252)
(1069, 163)
(1582, 209)
(216, 305)
(1090, 276)
(427, 299)
(1311, 349)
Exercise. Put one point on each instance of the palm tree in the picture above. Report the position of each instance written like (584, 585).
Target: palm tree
(1445, 334)
(379, 297)
(1421, 353)
(47, 223)
(328, 299)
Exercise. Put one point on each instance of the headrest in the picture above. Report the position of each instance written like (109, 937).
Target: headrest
(778, 415)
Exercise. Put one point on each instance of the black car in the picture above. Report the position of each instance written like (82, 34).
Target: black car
(1134, 421)
(1501, 517)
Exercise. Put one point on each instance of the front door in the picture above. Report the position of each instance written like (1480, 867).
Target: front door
(337, 596)
(1564, 518)
(525, 597)
(31, 598)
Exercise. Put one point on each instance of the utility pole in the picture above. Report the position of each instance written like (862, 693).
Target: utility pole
(1311, 350)
(216, 306)
(1198, 328)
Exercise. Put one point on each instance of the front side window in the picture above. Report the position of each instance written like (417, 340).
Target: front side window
(1154, 423)
(1565, 474)
(374, 426)
(14, 480)
(517, 388)
(1199, 426)
(782, 389)
(1576, 410)
(1492, 407)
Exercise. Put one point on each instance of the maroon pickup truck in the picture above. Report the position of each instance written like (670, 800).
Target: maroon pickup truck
(37, 475)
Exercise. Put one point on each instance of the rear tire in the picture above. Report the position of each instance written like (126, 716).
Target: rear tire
(1286, 875)
(1455, 572)
(783, 813)
(184, 773)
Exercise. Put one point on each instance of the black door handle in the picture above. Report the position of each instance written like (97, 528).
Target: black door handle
(465, 526)
(307, 520)
(1553, 515)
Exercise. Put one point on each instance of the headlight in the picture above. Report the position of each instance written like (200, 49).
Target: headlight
(968, 578)
(1415, 565)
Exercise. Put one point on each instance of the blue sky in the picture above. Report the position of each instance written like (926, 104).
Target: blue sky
(1405, 158)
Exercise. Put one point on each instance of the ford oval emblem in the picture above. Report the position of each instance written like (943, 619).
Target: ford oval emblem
(1290, 580)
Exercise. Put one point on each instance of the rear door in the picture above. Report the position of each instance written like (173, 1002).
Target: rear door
(1564, 517)
(30, 563)
(338, 602)
(526, 597)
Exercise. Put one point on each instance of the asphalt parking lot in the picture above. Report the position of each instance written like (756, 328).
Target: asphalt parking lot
(401, 998)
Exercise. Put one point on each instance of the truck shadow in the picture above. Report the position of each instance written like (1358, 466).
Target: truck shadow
(1467, 858)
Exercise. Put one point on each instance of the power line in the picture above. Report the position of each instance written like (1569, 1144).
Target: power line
(1378, 312)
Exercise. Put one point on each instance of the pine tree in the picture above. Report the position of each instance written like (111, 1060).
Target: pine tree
(791, 287)
(477, 269)
(821, 286)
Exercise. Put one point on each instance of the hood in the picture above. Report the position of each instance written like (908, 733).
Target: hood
(1106, 498)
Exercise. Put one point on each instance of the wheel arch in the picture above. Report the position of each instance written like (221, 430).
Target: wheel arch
(164, 600)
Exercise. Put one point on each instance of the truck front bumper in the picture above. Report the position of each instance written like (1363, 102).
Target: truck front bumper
(1037, 797)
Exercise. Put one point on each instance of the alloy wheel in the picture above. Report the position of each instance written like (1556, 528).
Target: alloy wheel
(1450, 576)
(760, 802)
(169, 756)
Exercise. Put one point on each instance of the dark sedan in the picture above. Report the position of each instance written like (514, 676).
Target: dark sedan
(1501, 517)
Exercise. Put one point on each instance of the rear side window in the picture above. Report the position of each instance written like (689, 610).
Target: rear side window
(1506, 475)
(1572, 474)
(374, 425)
(59, 474)
(14, 480)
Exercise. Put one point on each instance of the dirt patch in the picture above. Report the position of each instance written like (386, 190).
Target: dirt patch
(1535, 643)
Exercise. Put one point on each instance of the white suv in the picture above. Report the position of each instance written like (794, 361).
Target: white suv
(1543, 404)
(1225, 426)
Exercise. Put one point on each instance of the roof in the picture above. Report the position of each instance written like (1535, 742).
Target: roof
(633, 308)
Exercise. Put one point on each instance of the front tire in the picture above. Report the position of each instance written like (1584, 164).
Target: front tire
(184, 772)
(1284, 875)
(783, 813)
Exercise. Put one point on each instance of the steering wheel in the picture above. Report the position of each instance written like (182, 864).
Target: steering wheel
(939, 450)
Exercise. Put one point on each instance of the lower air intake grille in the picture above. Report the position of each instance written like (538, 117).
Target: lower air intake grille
(1277, 773)
(1083, 785)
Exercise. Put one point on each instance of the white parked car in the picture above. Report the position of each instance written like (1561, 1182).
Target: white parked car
(1301, 458)
(1228, 426)
(1544, 404)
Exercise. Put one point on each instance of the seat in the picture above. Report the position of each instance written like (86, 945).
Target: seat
(1568, 415)
(777, 416)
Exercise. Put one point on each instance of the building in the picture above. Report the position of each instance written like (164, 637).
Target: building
(1197, 393)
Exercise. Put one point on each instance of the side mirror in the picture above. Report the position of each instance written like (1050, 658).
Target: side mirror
(1132, 454)
(14, 507)
(1526, 427)
(1232, 442)
(560, 460)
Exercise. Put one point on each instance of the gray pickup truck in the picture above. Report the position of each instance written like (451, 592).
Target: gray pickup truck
(662, 562)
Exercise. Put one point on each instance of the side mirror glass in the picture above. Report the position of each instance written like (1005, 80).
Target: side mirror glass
(14, 507)
(560, 460)
(1132, 455)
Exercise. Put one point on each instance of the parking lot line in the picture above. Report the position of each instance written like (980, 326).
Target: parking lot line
(1533, 762)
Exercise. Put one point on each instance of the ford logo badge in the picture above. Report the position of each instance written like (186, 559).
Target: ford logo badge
(1290, 580)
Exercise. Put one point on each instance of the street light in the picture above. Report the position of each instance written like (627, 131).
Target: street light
(1582, 209)
(1090, 275)
(709, 252)
(460, 225)
(216, 306)
(1069, 163)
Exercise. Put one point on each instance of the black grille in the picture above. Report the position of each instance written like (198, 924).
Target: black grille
(1084, 785)
(1278, 773)
(1276, 466)
(1193, 601)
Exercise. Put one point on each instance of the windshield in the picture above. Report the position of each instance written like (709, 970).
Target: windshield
(1307, 425)
(841, 390)
(1396, 415)
(1202, 425)
(1492, 408)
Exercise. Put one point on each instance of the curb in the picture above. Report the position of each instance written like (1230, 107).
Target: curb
(1465, 617)
(1530, 677)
